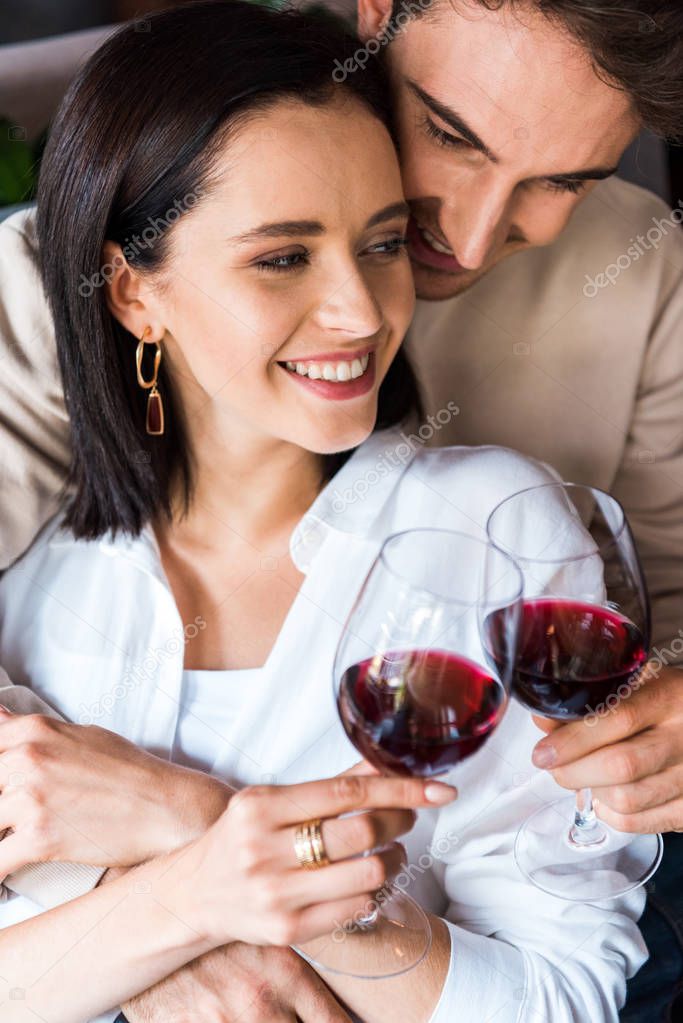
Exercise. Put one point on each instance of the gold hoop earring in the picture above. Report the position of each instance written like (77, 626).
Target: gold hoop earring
(154, 419)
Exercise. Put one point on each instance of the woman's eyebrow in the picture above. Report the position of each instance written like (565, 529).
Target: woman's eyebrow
(300, 228)
(279, 228)
(395, 209)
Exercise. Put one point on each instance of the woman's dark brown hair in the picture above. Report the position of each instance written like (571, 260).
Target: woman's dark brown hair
(136, 135)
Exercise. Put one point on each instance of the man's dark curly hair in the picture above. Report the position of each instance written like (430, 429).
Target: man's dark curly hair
(636, 46)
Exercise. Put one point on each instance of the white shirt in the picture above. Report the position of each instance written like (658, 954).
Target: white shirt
(210, 702)
(94, 629)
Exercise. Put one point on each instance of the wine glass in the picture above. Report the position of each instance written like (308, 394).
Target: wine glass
(584, 638)
(416, 696)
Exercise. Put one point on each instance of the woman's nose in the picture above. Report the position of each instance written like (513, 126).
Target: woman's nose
(351, 309)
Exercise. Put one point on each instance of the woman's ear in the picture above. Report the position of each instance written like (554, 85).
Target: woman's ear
(373, 16)
(128, 298)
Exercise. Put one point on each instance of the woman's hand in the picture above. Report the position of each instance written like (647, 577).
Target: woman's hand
(249, 885)
(79, 793)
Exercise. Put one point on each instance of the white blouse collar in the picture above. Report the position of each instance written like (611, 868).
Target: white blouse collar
(350, 503)
(353, 499)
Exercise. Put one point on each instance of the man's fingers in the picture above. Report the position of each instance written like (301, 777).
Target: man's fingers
(13, 854)
(620, 764)
(315, 1003)
(668, 817)
(645, 794)
(546, 725)
(579, 738)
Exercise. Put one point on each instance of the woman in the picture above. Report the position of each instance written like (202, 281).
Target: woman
(222, 236)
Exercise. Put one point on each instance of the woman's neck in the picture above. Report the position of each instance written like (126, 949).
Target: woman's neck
(254, 486)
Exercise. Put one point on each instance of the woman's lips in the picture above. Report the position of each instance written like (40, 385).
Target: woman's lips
(337, 390)
(422, 252)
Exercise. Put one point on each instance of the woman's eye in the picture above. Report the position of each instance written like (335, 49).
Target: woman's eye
(443, 137)
(391, 247)
(290, 261)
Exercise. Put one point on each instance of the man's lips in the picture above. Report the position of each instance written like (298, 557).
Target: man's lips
(422, 252)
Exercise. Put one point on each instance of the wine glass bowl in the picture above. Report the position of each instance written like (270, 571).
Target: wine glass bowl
(417, 694)
(584, 637)
(415, 691)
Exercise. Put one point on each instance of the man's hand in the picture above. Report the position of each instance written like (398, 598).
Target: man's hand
(241, 982)
(631, 755)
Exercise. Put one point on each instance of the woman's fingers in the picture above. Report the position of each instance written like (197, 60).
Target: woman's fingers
(329, 918)
(348, 836)
(291, 804)
(344, 837)
(343, 880)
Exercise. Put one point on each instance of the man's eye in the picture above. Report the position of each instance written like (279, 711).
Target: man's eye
(565, 186)
(443, 137)
(282, 263)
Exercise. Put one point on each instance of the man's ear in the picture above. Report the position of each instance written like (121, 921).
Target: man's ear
(126, 297)
(373, 16)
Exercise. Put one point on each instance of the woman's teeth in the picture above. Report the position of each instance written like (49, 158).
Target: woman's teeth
(339, 372)
(434, 242)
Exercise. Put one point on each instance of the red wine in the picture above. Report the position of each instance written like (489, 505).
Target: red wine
(418, 712)
(571, 656)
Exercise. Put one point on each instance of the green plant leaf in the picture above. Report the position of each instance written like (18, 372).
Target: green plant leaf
(17, 165)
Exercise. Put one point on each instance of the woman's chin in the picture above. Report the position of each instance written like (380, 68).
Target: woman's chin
(341, 436)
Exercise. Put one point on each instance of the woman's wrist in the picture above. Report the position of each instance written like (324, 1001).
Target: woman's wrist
(188, 890)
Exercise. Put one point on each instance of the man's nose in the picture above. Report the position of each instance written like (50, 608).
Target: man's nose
(475, 220)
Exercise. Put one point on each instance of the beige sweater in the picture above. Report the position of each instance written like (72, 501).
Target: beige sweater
(543, 355)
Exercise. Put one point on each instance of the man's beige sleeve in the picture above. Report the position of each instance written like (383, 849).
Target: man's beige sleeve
(650, 478)
(34, 446)
(34, 431)
(48, 884)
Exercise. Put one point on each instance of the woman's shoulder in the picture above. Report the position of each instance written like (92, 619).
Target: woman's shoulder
(61, 567)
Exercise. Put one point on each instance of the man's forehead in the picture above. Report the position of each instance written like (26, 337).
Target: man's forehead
(517, 75)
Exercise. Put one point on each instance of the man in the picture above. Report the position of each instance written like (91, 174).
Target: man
(509, 117)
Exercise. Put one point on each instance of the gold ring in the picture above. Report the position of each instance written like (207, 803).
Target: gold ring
(309, 845)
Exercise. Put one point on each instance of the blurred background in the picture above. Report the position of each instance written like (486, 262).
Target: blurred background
(42, 43)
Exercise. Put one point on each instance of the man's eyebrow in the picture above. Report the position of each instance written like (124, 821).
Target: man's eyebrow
(306, 228)
(453, 119)
(456, 122)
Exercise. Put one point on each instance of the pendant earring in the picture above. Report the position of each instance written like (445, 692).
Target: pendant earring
(154, 420)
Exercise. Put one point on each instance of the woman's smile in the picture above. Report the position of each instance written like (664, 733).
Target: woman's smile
(335, 376)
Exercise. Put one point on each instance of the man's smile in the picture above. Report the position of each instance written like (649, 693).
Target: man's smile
(428, 250)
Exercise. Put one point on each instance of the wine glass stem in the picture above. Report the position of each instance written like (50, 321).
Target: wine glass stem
(586, 829)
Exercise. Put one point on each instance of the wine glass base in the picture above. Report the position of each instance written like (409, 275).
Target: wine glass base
(397, 940)
(546, 855)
